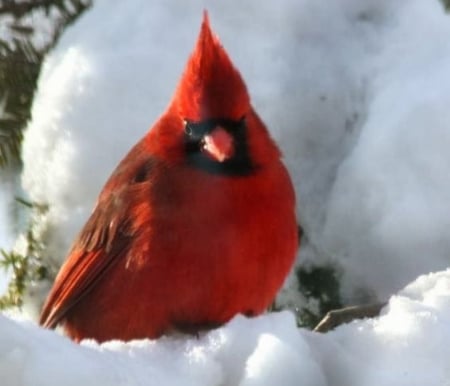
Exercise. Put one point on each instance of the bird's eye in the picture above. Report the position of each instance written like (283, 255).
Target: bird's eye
(187, 128)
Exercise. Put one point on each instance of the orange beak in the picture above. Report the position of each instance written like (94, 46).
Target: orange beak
(218, 145)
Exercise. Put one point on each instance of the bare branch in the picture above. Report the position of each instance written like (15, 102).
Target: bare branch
(345, 315)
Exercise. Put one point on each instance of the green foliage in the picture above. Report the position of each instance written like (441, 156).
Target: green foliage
(320, 286)
(446, 4)
(19, 70)
(319, 292)
(20, 63)
(27, 268)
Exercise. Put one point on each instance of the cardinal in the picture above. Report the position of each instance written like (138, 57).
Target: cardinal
(195, 225)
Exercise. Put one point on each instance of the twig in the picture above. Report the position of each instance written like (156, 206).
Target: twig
(345, 315)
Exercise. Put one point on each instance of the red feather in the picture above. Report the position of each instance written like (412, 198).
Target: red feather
(174, 243)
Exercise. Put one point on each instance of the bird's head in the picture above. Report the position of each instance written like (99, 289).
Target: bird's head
(211, 87)
(210, 113)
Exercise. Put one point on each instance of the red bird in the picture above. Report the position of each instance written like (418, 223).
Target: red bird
(196, 224)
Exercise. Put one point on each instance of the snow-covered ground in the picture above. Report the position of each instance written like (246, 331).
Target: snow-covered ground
(409, 345)
(355, 91)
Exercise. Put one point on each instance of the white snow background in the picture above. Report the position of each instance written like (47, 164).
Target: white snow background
(356, 94)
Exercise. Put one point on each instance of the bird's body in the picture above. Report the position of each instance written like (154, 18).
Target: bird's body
(195, 225)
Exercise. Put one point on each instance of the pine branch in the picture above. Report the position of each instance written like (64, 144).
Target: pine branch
(19, 9)
(20, 64)
(19, 70)
(446, 4)
(27, 268)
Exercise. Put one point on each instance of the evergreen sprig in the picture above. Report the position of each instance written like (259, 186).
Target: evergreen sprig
(27, 268)
(320, 285)
(446, 4)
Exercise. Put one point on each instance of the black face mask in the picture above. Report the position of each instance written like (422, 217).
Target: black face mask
(239, 164)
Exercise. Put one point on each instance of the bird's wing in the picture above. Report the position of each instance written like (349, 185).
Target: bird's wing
(105, 238)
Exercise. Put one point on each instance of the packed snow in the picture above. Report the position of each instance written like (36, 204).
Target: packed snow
(355, 92)
(409, 345)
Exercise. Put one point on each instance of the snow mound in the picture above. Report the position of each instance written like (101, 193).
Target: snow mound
(244, 352)
(408, 345)
(392, 190)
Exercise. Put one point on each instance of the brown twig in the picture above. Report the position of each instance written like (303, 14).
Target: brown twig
(345, 315)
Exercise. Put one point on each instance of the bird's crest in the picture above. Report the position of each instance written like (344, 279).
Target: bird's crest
(211, 87)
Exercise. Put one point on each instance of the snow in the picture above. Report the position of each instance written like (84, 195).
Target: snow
(6, 230)
(356, 94)
(243, 352)
(396, 176)
(408, 345)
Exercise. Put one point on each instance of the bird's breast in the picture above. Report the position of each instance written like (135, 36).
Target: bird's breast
(231, 240)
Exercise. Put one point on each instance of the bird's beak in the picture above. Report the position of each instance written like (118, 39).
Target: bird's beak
(218, 144)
